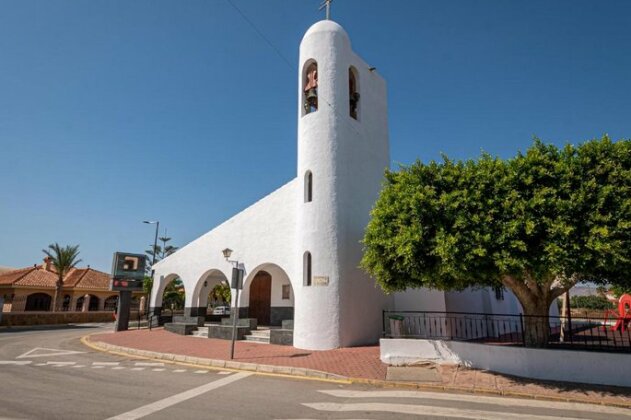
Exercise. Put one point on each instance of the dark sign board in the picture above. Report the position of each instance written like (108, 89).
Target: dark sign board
(128, 271)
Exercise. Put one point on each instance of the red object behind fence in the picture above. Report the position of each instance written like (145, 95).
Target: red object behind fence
(623, 316)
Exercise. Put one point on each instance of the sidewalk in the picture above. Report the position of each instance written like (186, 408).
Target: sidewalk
(358, 364)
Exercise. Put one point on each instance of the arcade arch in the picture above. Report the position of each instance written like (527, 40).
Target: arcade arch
(206, 283)
(267, 295)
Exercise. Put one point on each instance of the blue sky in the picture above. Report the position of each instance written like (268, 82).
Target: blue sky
(112, 112)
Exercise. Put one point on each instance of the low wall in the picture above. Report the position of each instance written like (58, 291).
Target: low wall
(555, 365)
(50, 318)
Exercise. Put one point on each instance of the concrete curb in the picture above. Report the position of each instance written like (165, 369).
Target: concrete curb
(311, 374)
(217, 364)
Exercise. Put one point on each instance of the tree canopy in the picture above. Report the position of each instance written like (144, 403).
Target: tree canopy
(537, 223)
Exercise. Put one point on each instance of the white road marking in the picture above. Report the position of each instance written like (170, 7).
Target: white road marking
(158, 370)
(148, 364)
(105, 363)
(137, 368)
(118, 368)
(61, 363)
(179, 370)
(46, 352)
(78, 366)
(503, 401)
(223, 372)
(40, 364)
(201, 371)
(15, 362)
(428, 410)
(178, 398)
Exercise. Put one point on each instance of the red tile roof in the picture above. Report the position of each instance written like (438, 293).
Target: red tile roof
(38, 276)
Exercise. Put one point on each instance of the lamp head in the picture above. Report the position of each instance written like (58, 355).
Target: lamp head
(149, 222)
(227, 253)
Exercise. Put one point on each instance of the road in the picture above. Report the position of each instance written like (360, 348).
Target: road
(49, 374)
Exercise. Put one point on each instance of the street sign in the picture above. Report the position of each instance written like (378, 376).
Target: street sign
(128, 272)
(237, 278)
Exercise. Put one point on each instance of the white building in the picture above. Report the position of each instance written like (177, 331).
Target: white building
(300, 246)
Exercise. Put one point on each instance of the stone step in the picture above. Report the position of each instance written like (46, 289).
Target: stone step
(257, 339)
(260, 333)
(201, 332)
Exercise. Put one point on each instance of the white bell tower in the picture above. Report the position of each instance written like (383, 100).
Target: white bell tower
(343, 152)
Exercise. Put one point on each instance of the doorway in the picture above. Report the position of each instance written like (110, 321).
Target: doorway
(261, 298)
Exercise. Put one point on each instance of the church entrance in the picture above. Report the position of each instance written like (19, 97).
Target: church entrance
(261, 297)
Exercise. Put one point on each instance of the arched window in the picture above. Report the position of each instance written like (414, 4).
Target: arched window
(66, 303)
(79, 305)
(306, 268)
(93, 304)
(38, 302)
(353, 92)
(308, 187)
(310, 87)
(111, 303)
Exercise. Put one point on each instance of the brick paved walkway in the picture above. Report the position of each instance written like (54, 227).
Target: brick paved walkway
(359, 362)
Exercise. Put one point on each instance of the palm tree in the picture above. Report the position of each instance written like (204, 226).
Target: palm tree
(63, 259)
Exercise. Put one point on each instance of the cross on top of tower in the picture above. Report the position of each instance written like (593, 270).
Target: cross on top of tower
(326, 4)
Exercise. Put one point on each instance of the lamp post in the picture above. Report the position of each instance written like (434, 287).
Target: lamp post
(153, 260)
(237, 280)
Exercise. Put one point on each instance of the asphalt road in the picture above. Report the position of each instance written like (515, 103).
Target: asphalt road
(49, 374)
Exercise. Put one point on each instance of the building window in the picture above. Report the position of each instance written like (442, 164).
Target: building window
(353, 92)
(308, 187)
(286, 291)
(499, 293)
(306, 268)
(310, 87)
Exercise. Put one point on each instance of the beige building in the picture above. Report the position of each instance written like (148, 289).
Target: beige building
(33, 289)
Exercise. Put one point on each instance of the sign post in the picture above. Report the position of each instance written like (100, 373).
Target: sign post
(128, 274)
(237, 283)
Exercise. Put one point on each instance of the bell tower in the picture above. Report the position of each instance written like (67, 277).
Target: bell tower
(343, 152)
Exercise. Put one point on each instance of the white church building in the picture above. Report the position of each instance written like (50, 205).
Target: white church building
(300, 245)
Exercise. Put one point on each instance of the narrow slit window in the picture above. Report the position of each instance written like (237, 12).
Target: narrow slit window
(306, 261)
(310, 87)
(353, 93)
(308, 187)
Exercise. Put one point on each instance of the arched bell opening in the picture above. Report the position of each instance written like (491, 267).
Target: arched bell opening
(353, 92)
(310, 87)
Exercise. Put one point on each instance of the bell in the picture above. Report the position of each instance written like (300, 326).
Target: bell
(311, 95)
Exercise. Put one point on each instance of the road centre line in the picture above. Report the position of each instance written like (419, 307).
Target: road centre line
(429, 410)
(148, 364)
(178, 398)
(105, 363)
(503, 401)
(61, 363)
(15, 362)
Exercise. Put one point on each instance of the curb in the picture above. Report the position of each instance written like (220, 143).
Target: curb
(311, 374)
(217, 364)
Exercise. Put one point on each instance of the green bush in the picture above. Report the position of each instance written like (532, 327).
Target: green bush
(590, 302)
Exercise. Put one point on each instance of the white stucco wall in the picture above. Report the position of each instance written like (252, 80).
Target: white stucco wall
(555, 365)
(260, 235)
(422, 299)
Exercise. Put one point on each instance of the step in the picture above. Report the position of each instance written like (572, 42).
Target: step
(260, 333)
(202, 332)
(257, 339)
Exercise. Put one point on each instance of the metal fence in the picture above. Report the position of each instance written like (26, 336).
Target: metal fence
(505, 329)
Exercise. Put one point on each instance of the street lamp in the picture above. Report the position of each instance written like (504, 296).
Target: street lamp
(237, 280)
(153, 260)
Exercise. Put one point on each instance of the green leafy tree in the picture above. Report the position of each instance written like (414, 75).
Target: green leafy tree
(537, 223)
(173, 295)
(64, 259)
(221, 292)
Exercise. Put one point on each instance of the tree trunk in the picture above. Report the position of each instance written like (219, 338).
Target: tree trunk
(536, 324)
(56, 296)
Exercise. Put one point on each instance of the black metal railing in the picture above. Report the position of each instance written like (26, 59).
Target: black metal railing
(508, 329)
